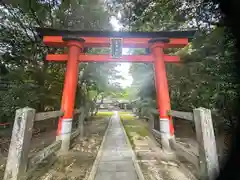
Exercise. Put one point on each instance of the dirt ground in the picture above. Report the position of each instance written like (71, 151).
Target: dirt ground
(155, 164)
(77, 163)
(71, 166)
(39, 141)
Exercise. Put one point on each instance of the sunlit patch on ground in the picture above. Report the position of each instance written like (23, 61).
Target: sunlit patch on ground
(105, 113)
(126, 116)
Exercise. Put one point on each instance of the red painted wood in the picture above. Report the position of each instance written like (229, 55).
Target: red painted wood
(70, 83)
(57, 41)
(171, 59)
(74, 57)
(5, 124)
(161, 83)
(107, 58)
(57, 57)
(101, 58)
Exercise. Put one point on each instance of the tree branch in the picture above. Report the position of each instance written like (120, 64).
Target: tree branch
(50, 13)
(20, 23)
(40, 24)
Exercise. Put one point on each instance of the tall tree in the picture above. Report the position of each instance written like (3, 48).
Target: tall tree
(34, 81)
(206, 76)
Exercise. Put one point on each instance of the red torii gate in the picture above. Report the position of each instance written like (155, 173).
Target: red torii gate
(76, 41)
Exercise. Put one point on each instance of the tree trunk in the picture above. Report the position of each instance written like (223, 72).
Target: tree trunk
(81, 121)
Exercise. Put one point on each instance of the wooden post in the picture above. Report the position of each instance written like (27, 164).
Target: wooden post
(208, 157)
(20, 144)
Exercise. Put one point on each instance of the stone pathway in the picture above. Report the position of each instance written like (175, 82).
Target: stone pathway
(116, 159)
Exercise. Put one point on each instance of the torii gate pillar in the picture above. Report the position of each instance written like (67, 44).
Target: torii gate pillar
(163, 99)
(75, 46)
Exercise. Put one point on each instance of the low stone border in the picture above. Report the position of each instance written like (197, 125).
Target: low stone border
(92, 174)
(134, 159)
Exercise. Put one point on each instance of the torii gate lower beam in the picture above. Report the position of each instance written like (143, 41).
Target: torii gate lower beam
(79, 40)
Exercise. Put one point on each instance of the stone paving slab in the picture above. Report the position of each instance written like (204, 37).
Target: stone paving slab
(116, 166)
(116, 160)
(126, 175)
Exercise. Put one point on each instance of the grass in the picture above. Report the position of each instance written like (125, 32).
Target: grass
(134, 127)
(125, 117)
(141, 131)
(130, 138)
(131, 124)
(124, 112)
(105, 114)
(102, 115)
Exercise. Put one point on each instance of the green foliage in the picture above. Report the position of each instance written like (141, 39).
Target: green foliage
(206, 76)
(34, 81)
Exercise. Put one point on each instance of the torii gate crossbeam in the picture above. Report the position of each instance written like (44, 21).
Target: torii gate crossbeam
(76, 41)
